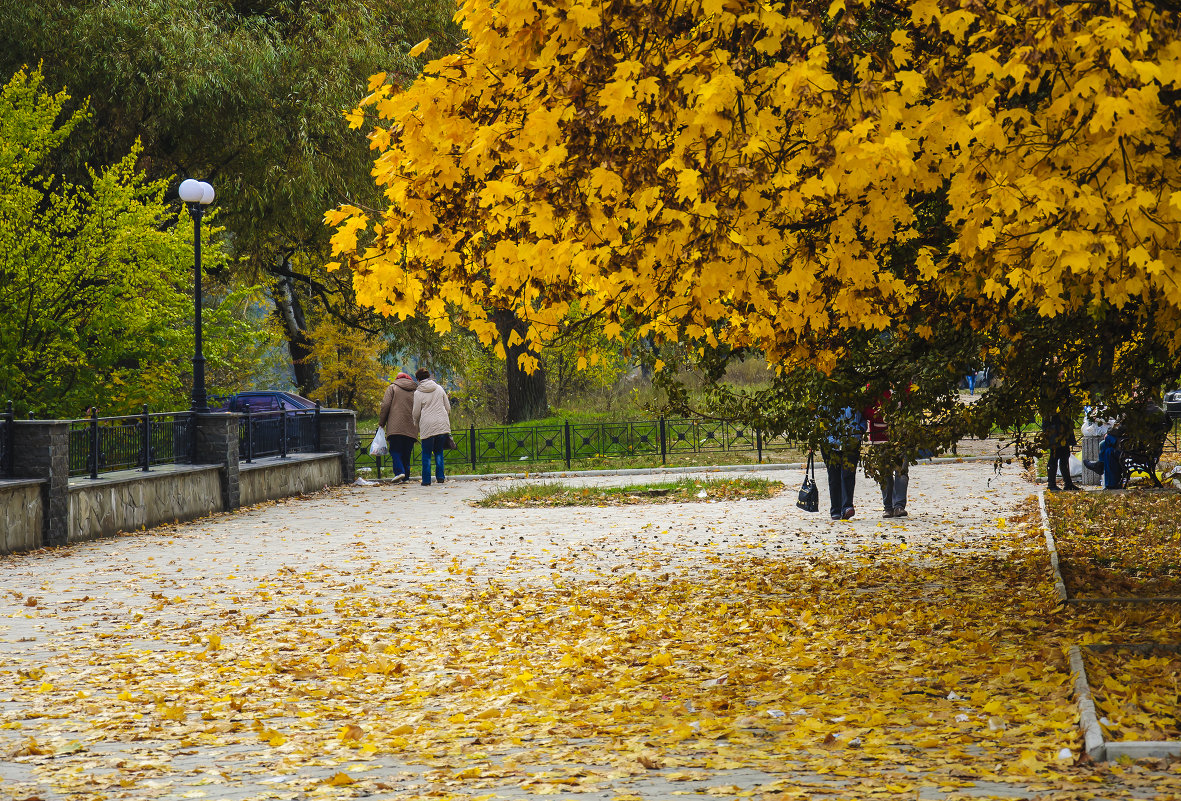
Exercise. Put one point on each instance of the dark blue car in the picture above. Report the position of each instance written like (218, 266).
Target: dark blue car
(265, 400)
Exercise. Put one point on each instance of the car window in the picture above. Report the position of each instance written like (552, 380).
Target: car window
(257, 403)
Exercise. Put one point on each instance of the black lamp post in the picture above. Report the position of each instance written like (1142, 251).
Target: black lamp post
(196, 196)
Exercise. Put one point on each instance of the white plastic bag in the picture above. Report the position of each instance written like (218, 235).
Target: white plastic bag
(379, 447)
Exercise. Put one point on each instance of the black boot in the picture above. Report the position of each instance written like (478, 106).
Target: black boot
(1067, 482)
(1052, 473)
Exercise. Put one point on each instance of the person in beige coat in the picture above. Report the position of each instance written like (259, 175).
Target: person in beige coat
(432, 414)
(397, 418)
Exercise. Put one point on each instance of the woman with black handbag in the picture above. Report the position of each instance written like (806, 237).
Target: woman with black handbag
(841, 450)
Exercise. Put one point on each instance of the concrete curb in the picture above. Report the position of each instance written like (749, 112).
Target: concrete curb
(661, 471)
(1059, 584)
(1088, 719)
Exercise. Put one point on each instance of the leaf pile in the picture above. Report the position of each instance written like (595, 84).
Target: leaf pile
(1118, 543)
(682, 491)
(1139, 694)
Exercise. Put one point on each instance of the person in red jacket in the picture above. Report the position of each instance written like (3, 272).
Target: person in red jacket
(895, 477)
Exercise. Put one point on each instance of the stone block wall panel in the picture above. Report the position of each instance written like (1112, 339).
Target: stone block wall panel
(41, 450)
(338, 433)
(282, 478)
(217, 443)
(21, 518)
(107, 506)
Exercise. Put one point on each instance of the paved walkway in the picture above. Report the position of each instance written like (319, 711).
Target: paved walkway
(80, 612)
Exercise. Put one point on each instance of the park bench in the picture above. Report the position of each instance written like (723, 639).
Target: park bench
(1142, 449)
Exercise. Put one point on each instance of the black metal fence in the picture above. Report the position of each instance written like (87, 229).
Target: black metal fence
(7, 434)
(106, 444)
(569, 442)
(278, 433)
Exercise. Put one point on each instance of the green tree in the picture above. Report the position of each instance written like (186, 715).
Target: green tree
(95, 277)
(247, 94)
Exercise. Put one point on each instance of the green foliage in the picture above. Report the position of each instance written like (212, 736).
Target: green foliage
(248, 95)
(95, 277)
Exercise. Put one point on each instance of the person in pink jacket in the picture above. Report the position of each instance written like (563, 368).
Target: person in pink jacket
(432, 415)
(895, 477)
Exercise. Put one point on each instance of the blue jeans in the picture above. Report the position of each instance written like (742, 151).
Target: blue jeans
(894, 481)
(842, 476)
(401, 447)
(433, 446)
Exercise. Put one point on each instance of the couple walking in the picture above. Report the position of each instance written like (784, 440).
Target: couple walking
(841, 451)
(416, 408)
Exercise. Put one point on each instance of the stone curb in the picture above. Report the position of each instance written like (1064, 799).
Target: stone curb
(660, 471)
(1088, 719)
(1059, 584)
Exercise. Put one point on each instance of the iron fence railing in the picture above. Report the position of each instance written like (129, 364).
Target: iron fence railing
(106, 444)
(278, 433)
(7, 436)
(569, 442)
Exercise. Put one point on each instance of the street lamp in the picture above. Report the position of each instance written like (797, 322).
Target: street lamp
(197, 195)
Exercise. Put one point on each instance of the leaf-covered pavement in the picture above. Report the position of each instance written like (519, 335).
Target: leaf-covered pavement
(394, 642)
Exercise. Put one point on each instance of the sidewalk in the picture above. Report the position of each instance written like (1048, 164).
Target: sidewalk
(395, 642)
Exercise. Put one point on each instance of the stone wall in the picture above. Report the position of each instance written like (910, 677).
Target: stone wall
(21, 516)
(133, 500)
(271, 479)
(41, 506)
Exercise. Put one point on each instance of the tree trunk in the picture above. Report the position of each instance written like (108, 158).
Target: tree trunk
(299, 344)
(526, 393)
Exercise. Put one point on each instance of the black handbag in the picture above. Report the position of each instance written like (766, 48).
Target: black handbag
(809, 499)
(451, 446)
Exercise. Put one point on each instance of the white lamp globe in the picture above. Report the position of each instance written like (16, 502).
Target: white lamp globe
(206, 194)
(190, 191)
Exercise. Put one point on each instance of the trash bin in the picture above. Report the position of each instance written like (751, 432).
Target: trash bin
(1091, 453)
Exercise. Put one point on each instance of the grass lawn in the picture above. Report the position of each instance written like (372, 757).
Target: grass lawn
(1137, 692)
(685, 490)
(1125, 544)
(1118, 543)
(456, 464)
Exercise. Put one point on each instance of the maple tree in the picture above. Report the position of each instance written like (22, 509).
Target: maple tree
(767, 175)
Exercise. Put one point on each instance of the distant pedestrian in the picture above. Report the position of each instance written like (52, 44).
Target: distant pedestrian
(432, 415)
(397, 418)
(1057, 408)
(894, 475)
(841, 450)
